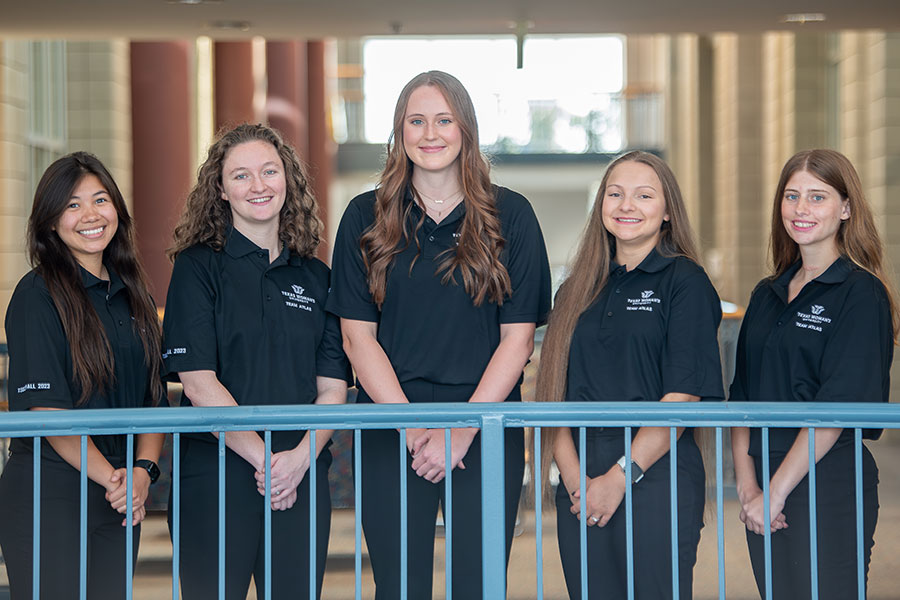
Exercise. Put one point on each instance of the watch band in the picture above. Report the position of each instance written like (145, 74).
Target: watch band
(637, 473)
(148, 465)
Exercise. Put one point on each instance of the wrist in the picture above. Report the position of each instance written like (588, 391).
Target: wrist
(637, 473)
(148, 468)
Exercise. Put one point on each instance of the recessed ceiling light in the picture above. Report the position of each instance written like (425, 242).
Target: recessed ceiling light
(802, 18)
(230, 25)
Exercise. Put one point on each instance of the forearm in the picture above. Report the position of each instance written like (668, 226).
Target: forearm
(744, 467)
(204, 389)
(795, 465)
(370, 363)
(330, 391)
(651, 443)
(149, 446)
(566, 458)
(69, 448)
(506, 364)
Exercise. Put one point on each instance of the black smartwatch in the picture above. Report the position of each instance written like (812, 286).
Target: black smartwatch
(637, 473)
(151, 467)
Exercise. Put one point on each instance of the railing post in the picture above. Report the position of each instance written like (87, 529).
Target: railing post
(493, 519)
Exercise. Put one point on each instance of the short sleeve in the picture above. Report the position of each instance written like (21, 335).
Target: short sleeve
(189, 324)
(526, 263)
(856, 362)
(691, 363)
(349, 297)
(330, 358)
(39, 362)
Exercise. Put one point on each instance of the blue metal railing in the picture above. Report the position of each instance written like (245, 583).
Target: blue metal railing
(492, 419)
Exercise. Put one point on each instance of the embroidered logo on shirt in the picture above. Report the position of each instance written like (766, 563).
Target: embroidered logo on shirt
(173, 351)
(645, 302)
(296, 299)
(814, 321)
(32, 386)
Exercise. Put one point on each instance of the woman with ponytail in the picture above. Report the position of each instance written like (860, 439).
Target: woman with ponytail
(440, 278)
(82, 333)
(635, 320)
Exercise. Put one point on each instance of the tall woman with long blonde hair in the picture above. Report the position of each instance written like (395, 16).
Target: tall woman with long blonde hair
(635, 320)
(439, 279)
(820, 328)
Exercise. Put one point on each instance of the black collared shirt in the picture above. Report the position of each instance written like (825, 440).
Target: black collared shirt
(832, 343)
(261, 327)
(652, 331)
(40, 362)
(431, 331)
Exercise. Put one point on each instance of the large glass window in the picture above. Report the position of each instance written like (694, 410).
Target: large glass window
(46, 135)
(565, 99)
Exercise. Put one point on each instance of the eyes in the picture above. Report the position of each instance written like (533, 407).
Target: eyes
(640, 196)
(812, 198)
(419, 122)
(244, 175)
(98, 200)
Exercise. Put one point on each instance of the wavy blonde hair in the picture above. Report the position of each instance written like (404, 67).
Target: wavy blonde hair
(206, 217)
(477, 258)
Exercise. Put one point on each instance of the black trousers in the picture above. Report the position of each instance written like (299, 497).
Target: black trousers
(836, 533)
(606, 559)
(244, 528)
(60, 533)
(381, 516)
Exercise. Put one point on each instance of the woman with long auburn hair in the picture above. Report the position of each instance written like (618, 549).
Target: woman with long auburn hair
(821, 328)
(245, 324)
(440, 278)
(635, 320)
(82, 333)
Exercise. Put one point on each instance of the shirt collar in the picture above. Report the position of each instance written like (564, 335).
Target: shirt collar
(113, 285)
(652, 263)
(237, 245)
(836, 273)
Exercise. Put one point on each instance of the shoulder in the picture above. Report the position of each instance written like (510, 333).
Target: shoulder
(31, 290)
(362, 206)
(514, 209)
(684, 270)
(863, 286)
(317, 268)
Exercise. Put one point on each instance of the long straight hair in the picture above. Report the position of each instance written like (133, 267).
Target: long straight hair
(589, 273)
(857, 237)
(477, 257)
(92, 357)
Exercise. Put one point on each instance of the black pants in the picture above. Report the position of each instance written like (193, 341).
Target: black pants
(60, 533)
(606, 559)
(836, 533)
(244, 528)
(381, 516)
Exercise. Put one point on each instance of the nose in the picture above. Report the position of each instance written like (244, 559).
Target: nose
(802, 206)
(91, 213)
(256, 184)
(627, 203)
(430, 131)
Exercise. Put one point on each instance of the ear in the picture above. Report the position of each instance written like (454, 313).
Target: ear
(845, 210)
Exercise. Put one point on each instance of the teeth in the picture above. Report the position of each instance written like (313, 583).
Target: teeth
(260, 200)
(803, 224)
(622, 220)
(91, 231)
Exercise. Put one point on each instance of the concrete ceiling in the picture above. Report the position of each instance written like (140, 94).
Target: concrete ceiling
(224, 19)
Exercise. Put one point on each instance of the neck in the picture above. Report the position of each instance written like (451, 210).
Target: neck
(436, 185)
(815, 261)
(631, 257)
(265, 236)
(94, 266)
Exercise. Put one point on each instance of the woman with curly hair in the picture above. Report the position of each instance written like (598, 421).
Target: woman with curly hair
(83, 333)
(245, 324)
(440, 278)
(635, 320)
(820, 328)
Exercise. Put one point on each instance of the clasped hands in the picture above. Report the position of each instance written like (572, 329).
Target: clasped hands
(288, 468)
(753, 511)
(429, 452)
(117, 493)
(604, 495)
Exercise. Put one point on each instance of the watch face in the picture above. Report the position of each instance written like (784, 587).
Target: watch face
(151, 467)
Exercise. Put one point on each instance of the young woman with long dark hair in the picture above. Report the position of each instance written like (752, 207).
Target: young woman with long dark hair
(245, 324)
(635, 320)
(820, 328)
(440, 278)
(82, 333)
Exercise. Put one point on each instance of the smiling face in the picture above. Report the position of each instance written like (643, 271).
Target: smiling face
(634, 208)
(812, 212)
(431, 135)
(253, 183)
(88, 223)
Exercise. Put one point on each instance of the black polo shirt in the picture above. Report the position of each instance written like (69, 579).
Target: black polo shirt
(833, 343)
(40, 363)
(651, 331)
(430, 331)
(261, 327)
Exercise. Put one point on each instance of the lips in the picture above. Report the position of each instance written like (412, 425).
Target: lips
(260, 200)
(803, 225)
(431, 149)
(92, 233)
(627, 220)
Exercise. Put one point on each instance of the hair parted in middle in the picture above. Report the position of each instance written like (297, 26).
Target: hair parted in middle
(477, 258)
(590, 271)
(206, 217)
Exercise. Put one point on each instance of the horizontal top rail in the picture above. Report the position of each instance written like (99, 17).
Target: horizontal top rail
(439, 415)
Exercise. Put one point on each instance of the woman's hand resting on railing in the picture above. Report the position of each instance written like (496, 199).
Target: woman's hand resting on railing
(429, 452)
(604, 496)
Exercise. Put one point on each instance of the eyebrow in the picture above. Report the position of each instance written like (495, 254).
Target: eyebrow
(619, 185)
(264, 165)
(821, 191)
(440, 114)
(97, 193)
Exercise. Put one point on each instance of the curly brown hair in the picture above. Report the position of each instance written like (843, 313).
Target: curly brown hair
(206, 217)
(481, 241)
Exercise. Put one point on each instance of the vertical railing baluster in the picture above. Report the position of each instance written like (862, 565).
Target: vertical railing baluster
(357, 509)
(493, 514)
(813, 519)
(448, 513)
(313, 571)
(36, 519)
(403, 516)
(673, 506)
(629, 518)
(538, 520)
(176, 513)
(221, 515)
(767, 520)
(720, 512)
(582, 504)
(267, 519)
(82, 522)
(129, 514)
(860, 571)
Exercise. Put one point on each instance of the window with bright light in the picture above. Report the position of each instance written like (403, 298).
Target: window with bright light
(565, 99)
